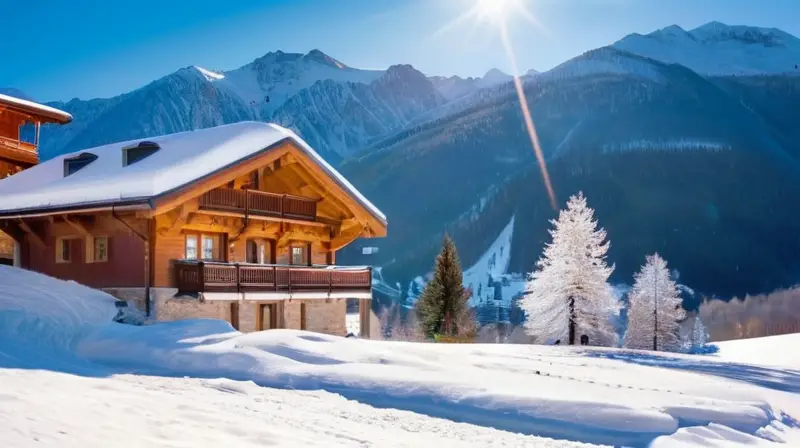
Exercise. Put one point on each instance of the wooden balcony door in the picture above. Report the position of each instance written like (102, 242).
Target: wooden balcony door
(260, 251)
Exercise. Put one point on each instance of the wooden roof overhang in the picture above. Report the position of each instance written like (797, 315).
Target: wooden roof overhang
(365, 222)
(33, 111)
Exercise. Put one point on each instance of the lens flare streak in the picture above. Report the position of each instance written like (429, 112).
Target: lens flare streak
(526, 115)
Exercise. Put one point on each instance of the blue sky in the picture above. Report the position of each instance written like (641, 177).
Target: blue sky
(58, 50)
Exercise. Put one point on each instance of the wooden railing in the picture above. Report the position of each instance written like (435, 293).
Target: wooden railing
(259, 203)
(17, 144)
(199, 276)
(18, 150)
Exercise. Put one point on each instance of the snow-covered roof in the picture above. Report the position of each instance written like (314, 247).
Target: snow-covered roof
(47, 112)
(184, 158)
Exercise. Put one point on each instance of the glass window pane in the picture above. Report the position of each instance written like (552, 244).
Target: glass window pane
(65, 255)
(208, 248)
(101, 249)
(191, 247)
(298, 255)
(253, 252)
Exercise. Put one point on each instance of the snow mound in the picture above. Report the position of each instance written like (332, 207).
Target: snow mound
(600, 396)
(41, 311)
(772, 350)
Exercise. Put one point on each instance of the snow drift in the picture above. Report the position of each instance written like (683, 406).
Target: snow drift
(584, 395)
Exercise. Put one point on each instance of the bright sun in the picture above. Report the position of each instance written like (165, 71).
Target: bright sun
(497, 11)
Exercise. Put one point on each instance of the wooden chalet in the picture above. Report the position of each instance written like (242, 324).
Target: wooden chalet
(20, 121)
(240, 222)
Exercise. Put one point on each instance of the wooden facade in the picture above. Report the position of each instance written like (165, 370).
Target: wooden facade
(247, 237)
(19, 139)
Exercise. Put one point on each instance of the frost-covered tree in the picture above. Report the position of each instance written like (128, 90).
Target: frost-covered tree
(699, 333)
(568, 295)
(655, 309)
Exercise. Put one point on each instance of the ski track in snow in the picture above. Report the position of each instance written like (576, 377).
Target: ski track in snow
(494, 262)
(71, 378)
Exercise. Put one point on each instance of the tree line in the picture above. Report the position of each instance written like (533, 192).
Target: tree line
(567, 298)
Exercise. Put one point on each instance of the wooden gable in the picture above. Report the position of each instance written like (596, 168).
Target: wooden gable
(287, 169)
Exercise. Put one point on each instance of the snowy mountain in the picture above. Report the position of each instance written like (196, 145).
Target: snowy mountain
(456, 87)
(272, 79)
(338, 118)
(625, 129)
(180, 101)
(717, 49)
(16, 93)
(337, 108)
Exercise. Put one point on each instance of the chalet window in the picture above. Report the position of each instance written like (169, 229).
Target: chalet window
(204, 246)
(74, 164)
(191, 247)
(97, 249)
(63, 250)
(208, 247)
(135, 153)
(300, 255)
(260, 251)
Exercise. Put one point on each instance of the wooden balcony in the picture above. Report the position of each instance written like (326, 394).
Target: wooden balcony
(18, 151)
(200, 277)
(259, 203)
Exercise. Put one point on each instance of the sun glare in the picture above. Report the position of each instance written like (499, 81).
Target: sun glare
(497, 11)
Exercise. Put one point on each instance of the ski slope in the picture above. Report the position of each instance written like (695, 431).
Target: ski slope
(493, 263)
(71, 377)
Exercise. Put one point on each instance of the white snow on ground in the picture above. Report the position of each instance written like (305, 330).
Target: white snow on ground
(771, 351)
(353, 323)
(494, 262)
(375, 392)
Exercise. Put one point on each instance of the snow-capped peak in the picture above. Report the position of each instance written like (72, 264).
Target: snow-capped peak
(719, 49)
(208, 74)
(495, 76)
(322, 58)
(268, 81)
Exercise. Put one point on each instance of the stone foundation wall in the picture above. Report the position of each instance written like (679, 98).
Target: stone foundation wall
(322, 316)
(190, 308)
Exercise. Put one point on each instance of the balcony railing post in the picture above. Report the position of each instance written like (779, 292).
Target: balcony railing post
(246, 204)
(283, 205)
(201, 276)
(238, 278)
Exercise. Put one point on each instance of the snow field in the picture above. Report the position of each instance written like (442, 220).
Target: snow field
(296, 388)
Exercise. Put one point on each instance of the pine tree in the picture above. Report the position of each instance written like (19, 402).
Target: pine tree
(443, 306)
(568, 296)
(655, 309)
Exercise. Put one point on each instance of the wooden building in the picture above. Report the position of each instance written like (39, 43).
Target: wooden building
(240, 222)
(20, 121)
